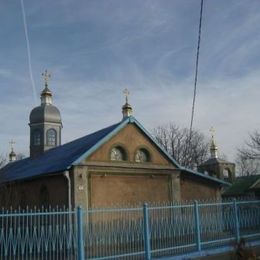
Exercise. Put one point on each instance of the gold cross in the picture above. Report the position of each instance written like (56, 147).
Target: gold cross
(46, 77)
(126, 93)
(12, 142)
(212, 130)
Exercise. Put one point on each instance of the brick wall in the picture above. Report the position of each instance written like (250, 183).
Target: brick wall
(51, 190)
(130, 138)
(196, 189)
(131, 190)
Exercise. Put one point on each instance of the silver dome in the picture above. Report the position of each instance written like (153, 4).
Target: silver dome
(45, 113)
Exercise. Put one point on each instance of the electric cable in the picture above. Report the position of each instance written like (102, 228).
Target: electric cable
(196, 70)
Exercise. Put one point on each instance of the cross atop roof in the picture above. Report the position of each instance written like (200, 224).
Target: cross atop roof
(11, 143)
(126, 93)
(46, 77)
(212, 130)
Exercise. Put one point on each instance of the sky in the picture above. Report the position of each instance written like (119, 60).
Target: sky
(95, 49)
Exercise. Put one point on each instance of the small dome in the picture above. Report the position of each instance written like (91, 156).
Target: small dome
(46, 91)
(45, 113)
(127, 110)
(126, 106)
(12, 153)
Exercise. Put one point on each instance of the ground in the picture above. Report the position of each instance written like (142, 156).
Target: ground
(230, 255)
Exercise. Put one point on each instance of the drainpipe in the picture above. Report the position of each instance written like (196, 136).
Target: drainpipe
(67, 176)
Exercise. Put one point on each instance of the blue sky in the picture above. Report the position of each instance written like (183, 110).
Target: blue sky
(94, 49)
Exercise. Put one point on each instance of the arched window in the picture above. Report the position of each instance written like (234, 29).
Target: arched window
(117, 154)
(226, 174)
(51, 137)
(44, 196)
(36, 137)
(142, 155)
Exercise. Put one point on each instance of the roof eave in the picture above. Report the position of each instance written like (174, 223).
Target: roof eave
(206, 177)
(100, 143)
(124, 122)
(52, 173)
(133, 120)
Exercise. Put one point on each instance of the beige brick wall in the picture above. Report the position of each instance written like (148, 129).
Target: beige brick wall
(131, 139)
(196, 189)
(128, 182)
(27, 193)
(131, 190)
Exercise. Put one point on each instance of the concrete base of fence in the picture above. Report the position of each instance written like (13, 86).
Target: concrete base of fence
(222, 253)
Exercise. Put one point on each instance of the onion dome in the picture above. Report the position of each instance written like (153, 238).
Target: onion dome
(43, 113)
(46, 112)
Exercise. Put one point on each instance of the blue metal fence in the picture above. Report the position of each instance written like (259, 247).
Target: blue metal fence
(38, 234)
(126, 233)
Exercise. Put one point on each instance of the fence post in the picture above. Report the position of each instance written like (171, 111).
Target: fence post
(80, 233)
(236, 220)
(147, 246)
(197, 224)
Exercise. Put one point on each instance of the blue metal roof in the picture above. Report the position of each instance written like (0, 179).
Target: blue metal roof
(63, 157)
(54, 160)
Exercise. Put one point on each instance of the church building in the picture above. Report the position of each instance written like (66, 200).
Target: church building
(120, 164)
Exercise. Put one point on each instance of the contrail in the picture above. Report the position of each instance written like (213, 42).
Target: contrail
(29, 54)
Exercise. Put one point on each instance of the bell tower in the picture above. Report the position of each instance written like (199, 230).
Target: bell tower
(45, 123)
(215, 166)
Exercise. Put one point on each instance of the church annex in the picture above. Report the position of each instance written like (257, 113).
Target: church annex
(118, 165)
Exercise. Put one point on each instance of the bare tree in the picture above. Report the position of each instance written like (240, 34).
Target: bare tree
(251, 148)
(188, 150)
(247, 166)
(248, 157)
(2, 161)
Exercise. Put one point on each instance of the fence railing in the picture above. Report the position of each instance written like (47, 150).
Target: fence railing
(126, 233)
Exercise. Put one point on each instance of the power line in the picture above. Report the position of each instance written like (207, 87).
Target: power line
(196, 70)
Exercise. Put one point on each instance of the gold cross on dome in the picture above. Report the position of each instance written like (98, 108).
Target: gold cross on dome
(12, 142)
(46, 77)
(126, 93)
